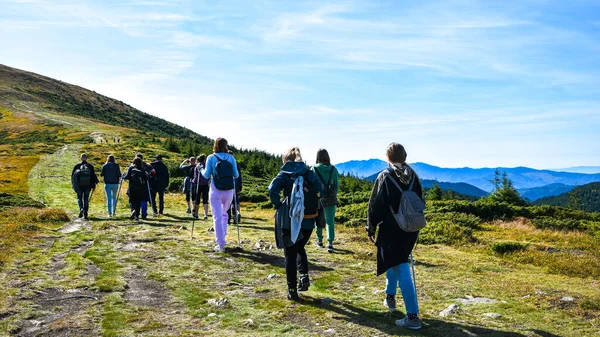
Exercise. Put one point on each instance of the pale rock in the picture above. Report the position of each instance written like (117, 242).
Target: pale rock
(375, 292)
(567, 299)
(450, 310)
(477, 300)
(272, 276)
(221, 302)
(492, 315)
(329, 332)
(249, 322)
(212, 314)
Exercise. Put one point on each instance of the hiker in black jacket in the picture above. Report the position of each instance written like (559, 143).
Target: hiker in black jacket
(138, 178)
(189, 189)
(394, 245)
(159, 184)
(83, 181)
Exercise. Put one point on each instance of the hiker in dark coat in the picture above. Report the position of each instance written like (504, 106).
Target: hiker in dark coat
(151, 175)
(393, 244)
(296, 259)
(83, 181)
(159, 184)
(137, 176)
(202, 187)
(189, 189)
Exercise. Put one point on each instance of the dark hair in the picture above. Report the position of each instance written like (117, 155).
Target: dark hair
(396, 153)
(192, 158)
(83, 155)
(110, 159)
(201, 158)
(138, 162)
(139, 155)
(323, 157)
(220, 145)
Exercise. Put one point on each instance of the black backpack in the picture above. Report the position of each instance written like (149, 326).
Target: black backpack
(329, 197)
(223, 176)
(136, 179)
(84, 176)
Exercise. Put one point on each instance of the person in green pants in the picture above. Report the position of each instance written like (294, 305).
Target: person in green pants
(330, 178)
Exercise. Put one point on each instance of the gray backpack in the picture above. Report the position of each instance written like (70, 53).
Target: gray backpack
(411, 213)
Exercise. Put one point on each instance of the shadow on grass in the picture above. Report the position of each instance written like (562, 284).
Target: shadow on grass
(274, 260)
(260, 228)
(384, 322)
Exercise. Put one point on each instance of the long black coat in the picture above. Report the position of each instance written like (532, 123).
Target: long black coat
(393, 244)
(161, 182)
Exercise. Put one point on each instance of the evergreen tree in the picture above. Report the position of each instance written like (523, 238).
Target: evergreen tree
(435, 193)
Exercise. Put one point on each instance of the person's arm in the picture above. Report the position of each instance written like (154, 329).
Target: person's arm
(208, 169)
(182, 165)
(103, 170)
(75, 169)
(336, 180)
(126, 177)
(119, 174)
(375, 208)
(95, 179)
(275, 188)
(236, 173)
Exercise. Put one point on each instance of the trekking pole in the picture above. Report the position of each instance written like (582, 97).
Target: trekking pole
(150, 197)
(118, 195)
(235, 217)
(412, 264)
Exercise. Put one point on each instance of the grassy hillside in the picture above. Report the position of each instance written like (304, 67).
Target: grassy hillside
(586, 198)
(538, 267)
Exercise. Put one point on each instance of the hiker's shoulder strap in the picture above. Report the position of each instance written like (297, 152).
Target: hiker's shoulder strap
(388, 176)
(320, 176)
(330, 175)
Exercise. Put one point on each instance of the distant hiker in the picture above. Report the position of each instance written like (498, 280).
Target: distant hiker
(83, 181)
(235, 206)
(146, 196)
(201, 187)
(301, 190)
(160, 184)
(395, 245)
(112, 175)
(138, 180)
(329, 178)
(221, 168)
(188, 166)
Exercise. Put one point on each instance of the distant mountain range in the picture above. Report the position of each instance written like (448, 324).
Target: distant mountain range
(535, 193)
(586, 198)
(462, 188)
(522, 177)
(580, 169)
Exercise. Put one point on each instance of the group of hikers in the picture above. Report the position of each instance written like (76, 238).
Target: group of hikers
(309, 201)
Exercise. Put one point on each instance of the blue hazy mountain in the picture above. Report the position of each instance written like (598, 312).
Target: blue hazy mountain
(462, 188)
(581, 169)
(361, 168)
(551, 190)
(522, 177)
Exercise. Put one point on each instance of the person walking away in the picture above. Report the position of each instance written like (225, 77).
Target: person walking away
(329, 177)
(159, 184)
(83, 181)
(296, 259)
(138, 178)
(394, 245)
(146, 196)
(221, 168)
(188, 189)
(235, 206)
(111, 172)
(202, 187)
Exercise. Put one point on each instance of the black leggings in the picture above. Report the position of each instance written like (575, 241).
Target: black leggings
(296, 259)
(202, 193)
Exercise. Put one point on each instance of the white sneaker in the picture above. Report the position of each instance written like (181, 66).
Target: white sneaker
(219, 249)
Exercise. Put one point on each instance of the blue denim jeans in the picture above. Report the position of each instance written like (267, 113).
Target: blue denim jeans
(399, 276)
(111, 191)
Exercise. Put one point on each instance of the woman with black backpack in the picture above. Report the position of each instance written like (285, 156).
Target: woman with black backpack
(221, 168)
(294, 240)
(329, 177)
(137, 176)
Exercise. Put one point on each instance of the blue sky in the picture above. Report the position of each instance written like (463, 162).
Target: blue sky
(459, 83)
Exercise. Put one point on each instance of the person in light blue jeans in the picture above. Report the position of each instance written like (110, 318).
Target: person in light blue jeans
(112, 175)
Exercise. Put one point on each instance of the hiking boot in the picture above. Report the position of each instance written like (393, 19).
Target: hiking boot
(319, 244)
(304, 282)
(132, 216)
(137, 219)
(85, 216)
(144, 218)
(81, 213)
(390, 302)
(410, 323)
(293, 295)
(211, 229)
(189, 211)
(219, 249)
(195, 216)
(330, 248)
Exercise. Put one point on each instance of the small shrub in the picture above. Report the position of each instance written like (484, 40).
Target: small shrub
(53, 215)
(546, 222)
(462, 219)
(502, 248)
(28, 227)
(590, 304)
(446, 232)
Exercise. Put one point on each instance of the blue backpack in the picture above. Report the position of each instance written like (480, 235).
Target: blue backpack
(223, 176)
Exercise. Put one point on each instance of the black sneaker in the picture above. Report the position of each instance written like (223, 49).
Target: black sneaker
(132, 216)
(304, 283)
(81, 213)
(319, 244)
(195, 215)
(390, 302)
(330, 248)
(293, 295)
